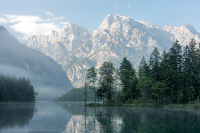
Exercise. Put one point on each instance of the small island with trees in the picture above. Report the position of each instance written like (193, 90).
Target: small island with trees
(171, 80)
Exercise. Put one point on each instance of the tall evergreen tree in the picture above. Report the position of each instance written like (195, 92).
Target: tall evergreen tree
(92, 76)
(128, 79)
(154, 64)
(106, 73)
(141, 67)
(116, 76)
(175, 63)
(3, 92)
(132, 91)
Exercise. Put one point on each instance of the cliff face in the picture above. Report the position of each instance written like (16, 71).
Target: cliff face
(60, 44)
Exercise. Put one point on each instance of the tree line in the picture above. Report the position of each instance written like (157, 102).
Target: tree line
(173, 77)
(13, 89)
(75, 94)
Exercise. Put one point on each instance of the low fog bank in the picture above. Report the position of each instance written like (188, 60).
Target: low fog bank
(14, 71)
(45, 91)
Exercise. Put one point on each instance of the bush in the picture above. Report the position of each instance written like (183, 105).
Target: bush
(130, 101)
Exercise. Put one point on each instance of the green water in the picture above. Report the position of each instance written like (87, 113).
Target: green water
(50, 117)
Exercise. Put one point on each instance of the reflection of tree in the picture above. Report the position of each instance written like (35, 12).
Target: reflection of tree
(12, 115)
(159, 120)
(148, 120)
(106, 119)
(76, 108)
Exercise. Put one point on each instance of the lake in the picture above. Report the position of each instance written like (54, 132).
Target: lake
(67, 117)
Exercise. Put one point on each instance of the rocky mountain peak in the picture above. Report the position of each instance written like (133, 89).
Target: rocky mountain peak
(117, 37)
(189, 27)
(70, 27)
(114, 19)
(60, 44)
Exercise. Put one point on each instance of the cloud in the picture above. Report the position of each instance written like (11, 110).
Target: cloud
(22, 18)
(54, 19)
(50, 14)
(32, 25)
(116, 5)
(129, 6)
(2, 20)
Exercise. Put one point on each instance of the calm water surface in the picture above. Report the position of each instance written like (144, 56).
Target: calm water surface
(50, 117)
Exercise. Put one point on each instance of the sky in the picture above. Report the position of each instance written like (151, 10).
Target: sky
(24, 18)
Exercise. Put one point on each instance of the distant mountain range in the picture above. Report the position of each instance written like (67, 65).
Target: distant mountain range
(44, 73)
(77, 48)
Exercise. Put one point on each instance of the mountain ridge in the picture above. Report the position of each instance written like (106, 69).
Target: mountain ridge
(119, 36)
(60, 44)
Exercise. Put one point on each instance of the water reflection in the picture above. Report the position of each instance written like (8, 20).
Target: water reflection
(12, 115)
(45, 117)
(118, 119)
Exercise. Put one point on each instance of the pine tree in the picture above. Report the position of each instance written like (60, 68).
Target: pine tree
(158, 91)
(154, 64)
(141, 67)
(106, 73)
(143, 86)
(175, 63)
(128, 80)
(190, 70)
(132, 91)
(92, 77)
(3, 92)
(102, 89)
(116, 76)
(197, 72)
(124, 70)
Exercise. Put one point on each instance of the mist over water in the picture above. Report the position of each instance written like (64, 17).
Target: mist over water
(47, 77)
(70, 117)
(48, 93)
(45, 92)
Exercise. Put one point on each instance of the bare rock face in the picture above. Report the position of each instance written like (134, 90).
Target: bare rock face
(117, 37)
(60, 44)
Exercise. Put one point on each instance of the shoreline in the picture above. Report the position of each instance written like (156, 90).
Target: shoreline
(178, 106)
(17, 102)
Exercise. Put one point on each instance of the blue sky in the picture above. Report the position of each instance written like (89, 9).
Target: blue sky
(24, 18)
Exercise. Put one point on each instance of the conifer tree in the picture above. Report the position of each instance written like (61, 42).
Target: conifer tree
(175, 63)
(128, 79)
(92, 76)
(154, 64)
(107, 79)
(141, 67)
(3, 92)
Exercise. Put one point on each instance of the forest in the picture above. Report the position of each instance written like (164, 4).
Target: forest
(172, 77)
(13, 89)
(76, 94)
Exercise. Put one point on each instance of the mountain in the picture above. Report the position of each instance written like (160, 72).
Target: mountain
(119, 36)
(44, 73)
(60, 44)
